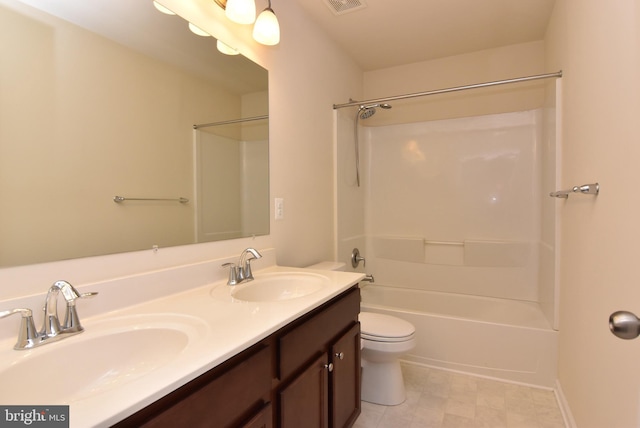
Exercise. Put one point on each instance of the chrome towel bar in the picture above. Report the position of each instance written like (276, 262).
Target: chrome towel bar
(119, 199)
(585, 189)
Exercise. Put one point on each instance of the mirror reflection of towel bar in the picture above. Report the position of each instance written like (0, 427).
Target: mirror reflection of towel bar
(119, 199)
(457, 243)
(585, 189)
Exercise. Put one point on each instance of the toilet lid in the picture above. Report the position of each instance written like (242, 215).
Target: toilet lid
(384, 328)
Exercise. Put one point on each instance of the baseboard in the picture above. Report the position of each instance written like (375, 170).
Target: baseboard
(569, 422)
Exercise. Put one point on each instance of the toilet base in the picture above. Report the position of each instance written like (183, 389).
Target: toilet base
(382, 383)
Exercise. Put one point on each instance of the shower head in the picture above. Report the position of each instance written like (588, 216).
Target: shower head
(366, 112)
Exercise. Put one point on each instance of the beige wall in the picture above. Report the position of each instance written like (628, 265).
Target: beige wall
(68, 102)
(307, 75)
(484, 66)
(597, 44)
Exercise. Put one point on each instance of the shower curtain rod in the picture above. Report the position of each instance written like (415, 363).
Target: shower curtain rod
(446, 90)
(229, 122)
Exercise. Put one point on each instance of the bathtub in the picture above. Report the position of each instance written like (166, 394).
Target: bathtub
(499, 338)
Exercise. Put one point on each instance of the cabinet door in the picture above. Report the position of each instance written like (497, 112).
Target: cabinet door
(345, 381)
(304, 402)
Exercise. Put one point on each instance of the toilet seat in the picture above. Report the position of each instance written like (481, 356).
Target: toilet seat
(384, 328)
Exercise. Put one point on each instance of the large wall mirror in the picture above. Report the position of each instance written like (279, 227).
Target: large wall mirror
(99, 98)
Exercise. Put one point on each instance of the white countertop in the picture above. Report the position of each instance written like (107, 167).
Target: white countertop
(219, 329)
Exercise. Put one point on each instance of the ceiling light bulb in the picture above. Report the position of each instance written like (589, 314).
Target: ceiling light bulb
(197, 30)
(267, 30)
(241, 11)
(163, 9)
(226, 49)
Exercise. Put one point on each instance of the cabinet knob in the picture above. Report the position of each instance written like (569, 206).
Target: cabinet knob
(340, 355)
(329, 367)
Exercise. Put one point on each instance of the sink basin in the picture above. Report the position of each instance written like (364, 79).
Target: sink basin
(106, 356)
(272, 287)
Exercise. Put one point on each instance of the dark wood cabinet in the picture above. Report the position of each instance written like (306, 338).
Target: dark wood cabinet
(345, 379)
(326, 345)
(231, 395)
(327, 392)
(304, 402)
(263, 419)
(307, 374)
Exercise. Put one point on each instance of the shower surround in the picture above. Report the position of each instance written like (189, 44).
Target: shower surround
(456, 206)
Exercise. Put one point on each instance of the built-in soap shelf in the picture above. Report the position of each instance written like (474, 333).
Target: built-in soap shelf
(478, 253)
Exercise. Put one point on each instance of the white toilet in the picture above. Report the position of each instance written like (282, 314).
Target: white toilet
(384, 340)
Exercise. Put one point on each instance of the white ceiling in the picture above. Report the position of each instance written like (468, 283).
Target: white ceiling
(387, 33)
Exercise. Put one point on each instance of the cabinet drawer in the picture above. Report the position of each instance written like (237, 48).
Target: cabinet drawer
(223, 397)
(315, 332)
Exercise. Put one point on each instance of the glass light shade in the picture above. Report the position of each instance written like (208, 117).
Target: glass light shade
(241, 11)
(162, 9)
(226, 49)
(267, 30)
(197, 30)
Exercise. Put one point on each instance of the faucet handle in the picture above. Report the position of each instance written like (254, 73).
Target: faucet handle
(27, 335)
(71, 319)
(23, 311)
(88, 295)
(233, 273)
(356, 258)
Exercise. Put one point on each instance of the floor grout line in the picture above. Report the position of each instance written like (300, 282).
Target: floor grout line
(444, 399)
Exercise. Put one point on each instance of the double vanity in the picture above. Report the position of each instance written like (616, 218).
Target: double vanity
(280, 350)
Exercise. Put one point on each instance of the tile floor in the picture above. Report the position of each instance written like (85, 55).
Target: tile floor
(442, 399)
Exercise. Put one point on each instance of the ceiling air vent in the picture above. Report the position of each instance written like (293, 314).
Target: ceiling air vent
(340, 7)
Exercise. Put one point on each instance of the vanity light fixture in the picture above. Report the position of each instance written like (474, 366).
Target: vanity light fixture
(226, 49)
(222, 47)
(266, 29)
(197, 30)
(241, 11)
(162, 9)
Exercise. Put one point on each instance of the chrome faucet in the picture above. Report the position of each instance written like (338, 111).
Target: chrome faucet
(242, 271)
(51, 324)
(51, 330)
